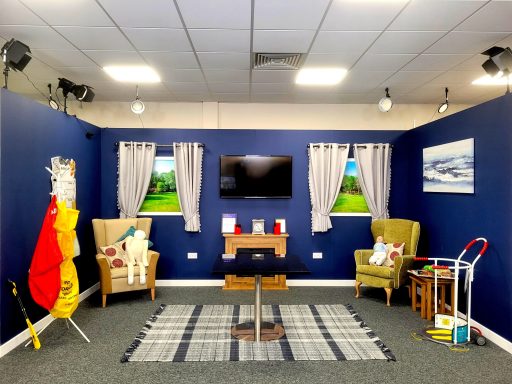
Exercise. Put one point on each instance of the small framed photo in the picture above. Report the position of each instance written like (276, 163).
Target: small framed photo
(282, 223)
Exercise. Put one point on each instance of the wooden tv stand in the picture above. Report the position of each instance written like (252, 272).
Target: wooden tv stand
(246, 240)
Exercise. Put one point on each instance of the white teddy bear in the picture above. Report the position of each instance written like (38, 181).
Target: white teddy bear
(137, 250)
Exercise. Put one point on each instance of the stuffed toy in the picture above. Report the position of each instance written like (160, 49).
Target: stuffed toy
(137, 250)
(379, 252)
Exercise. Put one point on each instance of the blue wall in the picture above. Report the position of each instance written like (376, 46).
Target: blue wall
(31, 134)
(173, 242)
(449, 221)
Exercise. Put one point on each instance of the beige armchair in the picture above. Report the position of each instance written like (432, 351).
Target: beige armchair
(113, 280)
(393, 231)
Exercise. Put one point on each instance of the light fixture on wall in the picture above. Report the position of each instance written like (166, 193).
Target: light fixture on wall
(82, 92)
(137, 105)
(444, 106)
(385, 104)
(15, 55)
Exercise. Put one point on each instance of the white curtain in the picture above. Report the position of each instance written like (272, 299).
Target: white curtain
(327, 163)
(135, 166)
(374, 167)
(188, 160)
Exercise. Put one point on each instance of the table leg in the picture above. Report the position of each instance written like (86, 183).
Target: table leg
(414, 299)
(423, 301)
(443, 299)
(429, 301)
(257, 308)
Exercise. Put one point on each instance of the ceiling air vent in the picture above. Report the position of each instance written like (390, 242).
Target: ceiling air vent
(278, 60)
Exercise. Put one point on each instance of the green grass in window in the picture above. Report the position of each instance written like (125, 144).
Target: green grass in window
(350, 203)
(161, 202)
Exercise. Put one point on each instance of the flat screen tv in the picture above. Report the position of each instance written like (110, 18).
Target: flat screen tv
(248, 176)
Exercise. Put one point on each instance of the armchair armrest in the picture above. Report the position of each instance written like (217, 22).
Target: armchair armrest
(362, 256)
(105, 277)
(151, 272)
(402, 264)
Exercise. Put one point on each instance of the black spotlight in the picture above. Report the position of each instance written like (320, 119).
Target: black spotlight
(500, 60)
(15, 55)
(82, 92)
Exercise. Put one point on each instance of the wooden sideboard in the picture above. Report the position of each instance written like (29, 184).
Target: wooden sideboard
(247, 240)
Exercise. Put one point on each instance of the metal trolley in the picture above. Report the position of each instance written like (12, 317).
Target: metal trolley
(451, 330)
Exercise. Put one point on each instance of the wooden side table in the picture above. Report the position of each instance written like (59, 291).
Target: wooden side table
(426, 287)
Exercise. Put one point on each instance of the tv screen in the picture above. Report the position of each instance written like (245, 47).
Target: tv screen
(255, 176)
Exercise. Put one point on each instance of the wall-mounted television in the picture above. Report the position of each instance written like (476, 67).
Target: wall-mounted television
(254, 176)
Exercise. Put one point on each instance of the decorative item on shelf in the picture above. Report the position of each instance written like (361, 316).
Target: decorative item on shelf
(238, 229)
(258, 226)
(228, 222)
(277, 228)
(282, 225)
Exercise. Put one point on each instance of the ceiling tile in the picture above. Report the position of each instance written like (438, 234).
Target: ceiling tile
(63, 57)
(14, 13)
(434, 15)
(35, 37)
(158, 39)
(84, 74)
(160, 14)
(185, 87)
(342, 42)
(274, 41)
(271, 87)
(358, 81)
(383, 62)
(181, 75)
(466, 42)
(436, 62)
(406, 81)
(224, 60)
(236, 76)
(405, 42)
(349, 15)
(229, 87)
(220, 40)
(344, 60)
(108, 38)
(266, 76)
(494, 17)
(229, 14)
(289, 14)
(104, 58)
(84, 13)
(176, 60)
(451, 78)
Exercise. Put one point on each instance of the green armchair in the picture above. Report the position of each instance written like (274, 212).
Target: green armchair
(393, 231)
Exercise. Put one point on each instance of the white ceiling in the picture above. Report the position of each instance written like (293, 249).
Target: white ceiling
(202, 48)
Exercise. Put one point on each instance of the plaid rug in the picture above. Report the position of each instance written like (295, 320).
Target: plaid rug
(178, 333)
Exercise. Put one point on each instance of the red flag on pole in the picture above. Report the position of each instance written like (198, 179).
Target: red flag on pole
(44, 273)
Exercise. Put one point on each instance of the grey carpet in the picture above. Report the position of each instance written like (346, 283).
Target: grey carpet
(184, 333)
(66, 358)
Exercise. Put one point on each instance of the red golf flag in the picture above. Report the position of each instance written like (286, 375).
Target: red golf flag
(44, 273)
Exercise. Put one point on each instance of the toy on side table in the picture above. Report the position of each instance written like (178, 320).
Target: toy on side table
(452, 330)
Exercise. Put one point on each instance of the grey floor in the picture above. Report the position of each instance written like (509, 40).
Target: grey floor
(66, 358)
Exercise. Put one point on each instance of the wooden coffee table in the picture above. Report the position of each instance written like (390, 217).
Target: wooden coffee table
(427, 287)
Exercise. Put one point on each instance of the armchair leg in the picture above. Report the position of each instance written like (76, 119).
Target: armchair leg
(389, 291)
(152, 294)
(103, 301)
(358, 284)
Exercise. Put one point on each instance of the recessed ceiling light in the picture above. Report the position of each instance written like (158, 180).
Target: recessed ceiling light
(488, 80)
(133, 74)
(320, 76)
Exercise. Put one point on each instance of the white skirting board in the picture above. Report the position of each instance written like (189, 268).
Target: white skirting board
(25, 335)
(22, 337)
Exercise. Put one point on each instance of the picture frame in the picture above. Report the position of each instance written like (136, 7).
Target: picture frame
(282, 223)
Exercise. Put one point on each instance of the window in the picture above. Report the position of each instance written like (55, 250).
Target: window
(350, 200)
(161, 198)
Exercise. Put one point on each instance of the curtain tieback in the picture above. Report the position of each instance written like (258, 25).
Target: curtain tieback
(126, 213)
(320, 213)
(196, 213)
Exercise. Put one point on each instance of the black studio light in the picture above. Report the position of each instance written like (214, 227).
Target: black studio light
(16, 56)
(82, 92)
(499, 62)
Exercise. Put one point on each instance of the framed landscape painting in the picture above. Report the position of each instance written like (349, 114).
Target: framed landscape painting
(161, 198)
(449, 167)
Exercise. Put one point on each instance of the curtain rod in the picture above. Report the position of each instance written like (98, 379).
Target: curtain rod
(157, 145)
(318, 145)
(374, 145)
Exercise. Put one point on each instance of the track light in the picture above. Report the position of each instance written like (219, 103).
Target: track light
(15, 55)
(82, 92)
(137, 105)
(385, 104)
(444, 106)
(499, 62)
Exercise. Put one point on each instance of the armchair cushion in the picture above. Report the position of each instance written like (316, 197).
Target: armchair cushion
(116, 254)
(393, 250)
(376, 270)
(131, 232)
